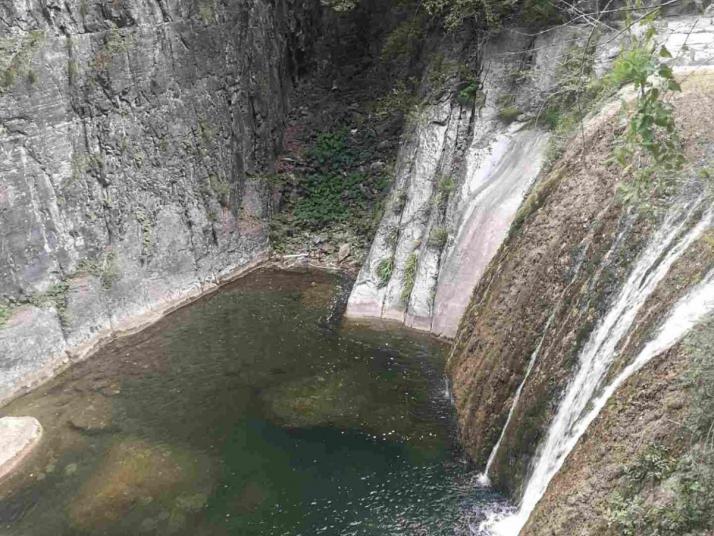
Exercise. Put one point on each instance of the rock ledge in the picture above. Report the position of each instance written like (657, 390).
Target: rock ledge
(18, 438)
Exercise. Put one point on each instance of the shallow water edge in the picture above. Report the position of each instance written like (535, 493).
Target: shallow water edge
(70, 355)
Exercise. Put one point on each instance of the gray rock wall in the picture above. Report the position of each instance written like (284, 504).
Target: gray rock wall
(133, 134)
(464, 169)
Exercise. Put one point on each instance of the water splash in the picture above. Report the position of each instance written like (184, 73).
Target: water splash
(582, 403)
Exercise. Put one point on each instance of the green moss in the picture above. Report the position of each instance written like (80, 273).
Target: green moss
(147, 238)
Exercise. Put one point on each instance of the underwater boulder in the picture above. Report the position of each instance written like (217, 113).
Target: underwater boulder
(320, 400)
(134, 472)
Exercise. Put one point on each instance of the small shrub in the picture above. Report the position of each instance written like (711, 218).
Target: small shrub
(649, 150)
(385, 267)
(207, 11)
(508, 114)
(4, 314)
(340, 6)
(391, 236)
(438, 237)
(401, 99)
(403, 41)
(400, 202)
(410, 270)
(106, 269)
(471, 93)
(444, 187)
(654, 465)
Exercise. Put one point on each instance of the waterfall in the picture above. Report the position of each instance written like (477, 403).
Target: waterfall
(483, 478)
(585, 395)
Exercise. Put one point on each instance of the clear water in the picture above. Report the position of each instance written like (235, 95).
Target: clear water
(251, 412)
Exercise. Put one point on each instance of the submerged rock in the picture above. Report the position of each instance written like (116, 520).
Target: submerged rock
(92, 415)
(315, 401)
(133, 472)
(318, 296)
(348, 399)
(18, 438)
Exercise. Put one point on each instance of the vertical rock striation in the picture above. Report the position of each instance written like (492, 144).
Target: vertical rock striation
(463, 170)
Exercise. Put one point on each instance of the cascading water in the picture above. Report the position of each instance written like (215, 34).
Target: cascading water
(585, 395)
(483, 478)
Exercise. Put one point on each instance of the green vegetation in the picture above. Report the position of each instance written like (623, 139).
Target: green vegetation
(471, 93)
(147, 239)
(444, 187)
(15, 57)
(55, 296)
(391, 236)
(649, 150)
(508, 114)
(384, 270)
(401, 99)
(403, 42)
(340, 5)
(106, 269)
(115, 43)
(438, 237)
(5, 312)
(220, 186)
(410, 270)
(485, 13)
(337, 189)
(682, 479)
(207, 11)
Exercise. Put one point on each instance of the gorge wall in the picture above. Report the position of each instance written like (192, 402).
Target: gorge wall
(133, 135)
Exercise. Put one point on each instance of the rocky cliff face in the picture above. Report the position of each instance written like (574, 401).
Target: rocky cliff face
(465, 165)
(133, 135)
(553, 280)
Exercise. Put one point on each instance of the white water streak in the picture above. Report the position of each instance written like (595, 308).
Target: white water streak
(579, 407)
(483, 478)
